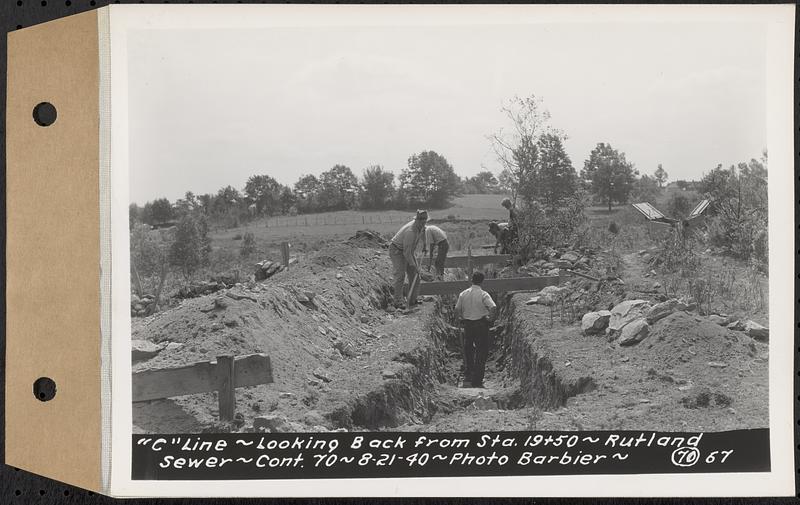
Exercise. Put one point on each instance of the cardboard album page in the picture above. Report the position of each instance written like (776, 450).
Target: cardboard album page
(403, 250)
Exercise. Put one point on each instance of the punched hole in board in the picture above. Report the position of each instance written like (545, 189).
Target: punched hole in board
(45, 114)
(44, 389)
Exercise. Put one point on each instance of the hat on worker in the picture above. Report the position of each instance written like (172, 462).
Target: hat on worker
(422, 214)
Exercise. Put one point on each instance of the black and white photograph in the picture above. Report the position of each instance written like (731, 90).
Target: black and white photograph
(450, 224)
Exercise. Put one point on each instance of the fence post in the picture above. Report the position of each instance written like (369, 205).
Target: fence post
(226, 389)
(285, 253)
(469, 260)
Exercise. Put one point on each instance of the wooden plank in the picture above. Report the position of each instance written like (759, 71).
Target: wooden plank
(490, 285)
(226, 391)
(461, 261)
(250, 370)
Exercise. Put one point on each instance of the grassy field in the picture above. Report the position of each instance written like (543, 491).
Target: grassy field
(309, 231)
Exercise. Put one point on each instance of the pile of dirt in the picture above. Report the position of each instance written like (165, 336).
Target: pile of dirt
(681, 337)
(339, 358)
(368, 238)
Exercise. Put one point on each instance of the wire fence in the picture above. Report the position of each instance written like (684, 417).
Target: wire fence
(323, 220)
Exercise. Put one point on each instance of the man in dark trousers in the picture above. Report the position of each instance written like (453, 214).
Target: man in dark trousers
(402, 252)
(475, 307)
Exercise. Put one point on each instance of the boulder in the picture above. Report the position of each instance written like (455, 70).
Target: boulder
(756, 331)
(173, 346)
(144, 349)
(625, 312)
(595, 322)
(719, 319)
(634, 332)
(663, 309)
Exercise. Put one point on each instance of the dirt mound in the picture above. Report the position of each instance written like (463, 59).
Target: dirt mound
(682, 337)
(334, 349)
(339, 255)
(368, 238)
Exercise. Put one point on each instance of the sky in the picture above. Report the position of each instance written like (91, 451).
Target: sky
(212, 107)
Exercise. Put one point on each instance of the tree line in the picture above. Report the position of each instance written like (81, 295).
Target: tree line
(428, 181)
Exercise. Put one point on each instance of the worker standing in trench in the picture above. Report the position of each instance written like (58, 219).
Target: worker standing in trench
(474, 308)
(402, 252)
(435, 237)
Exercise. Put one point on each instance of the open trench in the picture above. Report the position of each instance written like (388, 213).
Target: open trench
(519, 375)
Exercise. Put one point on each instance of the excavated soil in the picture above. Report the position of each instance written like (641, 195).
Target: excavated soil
(342, 360)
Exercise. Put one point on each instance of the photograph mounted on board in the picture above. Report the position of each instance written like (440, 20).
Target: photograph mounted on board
(495, 232)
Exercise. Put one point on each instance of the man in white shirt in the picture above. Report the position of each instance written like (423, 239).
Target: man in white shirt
(474, 307)
(402, 253)
(436, 237)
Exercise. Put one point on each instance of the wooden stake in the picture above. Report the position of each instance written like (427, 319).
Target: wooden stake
(226, 390)
(285, 254)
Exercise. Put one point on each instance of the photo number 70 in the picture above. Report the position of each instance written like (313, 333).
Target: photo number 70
(689, 456)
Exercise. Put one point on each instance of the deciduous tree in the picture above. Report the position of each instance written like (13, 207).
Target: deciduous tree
(377, 189)
(429, 180)
(265, 192)
(609, 175)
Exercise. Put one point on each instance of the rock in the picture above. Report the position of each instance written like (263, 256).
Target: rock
(634, 332)
(570, 256)
(756, 331)
(548, 266)
(322, 330)
(310, 295)
(135, 299)
(388, 374)
(302, 298)
(717, 364)
(717, 319)
(320, 374)
(285, 395)
(642, 252)
(656, 285)
(339, 276)
(345, 348)
(595, 322)
(736, 326)
(144, 349)
(563, 264)
(553, 272)
(532, 300)
(313, 382)
(625, 312)
(663, 309)
(364, 319)
(273, 424)
(220, 303)
(173, 346)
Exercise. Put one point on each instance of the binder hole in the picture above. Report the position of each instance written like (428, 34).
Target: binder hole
(45, 114)
(17, 492)
(44, 389)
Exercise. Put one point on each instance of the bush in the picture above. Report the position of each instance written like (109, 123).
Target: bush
(564, 225)
(192, 246)
(248, 246)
